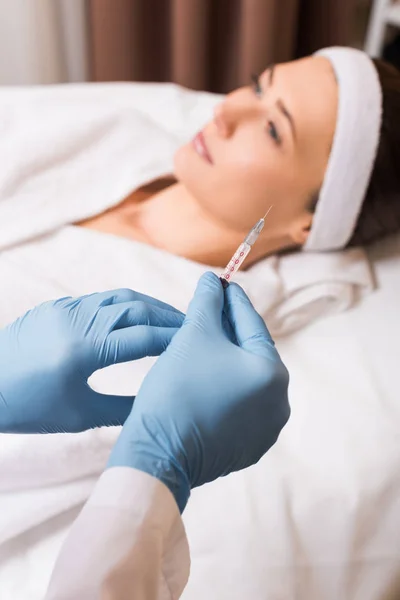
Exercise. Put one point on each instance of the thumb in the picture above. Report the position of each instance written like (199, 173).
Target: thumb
(108, 410)
(249, 327)
(205, 309)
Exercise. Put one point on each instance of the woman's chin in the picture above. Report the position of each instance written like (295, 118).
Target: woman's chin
(185, 166)
(179, 161)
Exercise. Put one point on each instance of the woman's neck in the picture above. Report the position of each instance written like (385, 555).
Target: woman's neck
(173, 220)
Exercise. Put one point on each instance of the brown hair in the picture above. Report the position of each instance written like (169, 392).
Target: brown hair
(380, 212)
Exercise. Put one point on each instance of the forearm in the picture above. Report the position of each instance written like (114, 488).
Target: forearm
(128, 542)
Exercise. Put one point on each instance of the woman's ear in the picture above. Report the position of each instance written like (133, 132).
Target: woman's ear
(300, 229)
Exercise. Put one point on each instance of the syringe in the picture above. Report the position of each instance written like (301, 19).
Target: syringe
(238, 258)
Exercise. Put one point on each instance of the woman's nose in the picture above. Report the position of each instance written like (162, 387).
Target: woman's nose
(230, 113)
(221, 120)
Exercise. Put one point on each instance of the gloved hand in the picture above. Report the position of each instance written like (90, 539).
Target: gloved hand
(208, 406)
(47, 355)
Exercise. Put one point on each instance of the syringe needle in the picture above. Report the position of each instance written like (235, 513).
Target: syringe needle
(267, 212)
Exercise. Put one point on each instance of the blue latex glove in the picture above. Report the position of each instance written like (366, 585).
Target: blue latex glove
(208, 406)
(47, 355)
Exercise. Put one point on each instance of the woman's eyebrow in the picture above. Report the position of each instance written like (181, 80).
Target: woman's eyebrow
(271, 70)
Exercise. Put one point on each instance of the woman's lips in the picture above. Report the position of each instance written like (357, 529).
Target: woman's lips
(201, 148)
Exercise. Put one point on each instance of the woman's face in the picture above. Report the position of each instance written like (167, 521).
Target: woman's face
(268, 144)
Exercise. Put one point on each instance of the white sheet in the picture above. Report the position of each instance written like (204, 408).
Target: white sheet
(306, 522)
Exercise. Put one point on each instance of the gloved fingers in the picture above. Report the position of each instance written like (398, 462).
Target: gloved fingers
(64, 300)
(249, 327)
(107, 410)
(122, 295)
(130, 314)
(133, 343)
(72, 301)
(205, 309)
(228, 329)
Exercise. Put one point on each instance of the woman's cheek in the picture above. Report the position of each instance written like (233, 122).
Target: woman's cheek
(252, 179)
(245, 159)
(232, 191)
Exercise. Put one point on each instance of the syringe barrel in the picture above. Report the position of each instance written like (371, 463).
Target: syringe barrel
(236, 261)
(251, 237)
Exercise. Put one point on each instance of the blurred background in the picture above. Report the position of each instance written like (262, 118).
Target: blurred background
(202, 44)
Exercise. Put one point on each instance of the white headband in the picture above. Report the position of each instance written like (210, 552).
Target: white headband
(353, 151)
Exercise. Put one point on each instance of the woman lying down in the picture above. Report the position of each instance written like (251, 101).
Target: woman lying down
(317, 138)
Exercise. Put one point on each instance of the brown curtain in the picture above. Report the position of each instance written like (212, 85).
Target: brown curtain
(208, 44)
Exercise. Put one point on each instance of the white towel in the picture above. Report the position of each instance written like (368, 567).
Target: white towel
(67, 153)
(325, 284)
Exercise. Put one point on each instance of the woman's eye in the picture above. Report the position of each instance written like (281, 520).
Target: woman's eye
(271, 128)
(256, 84)
(273, 132)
